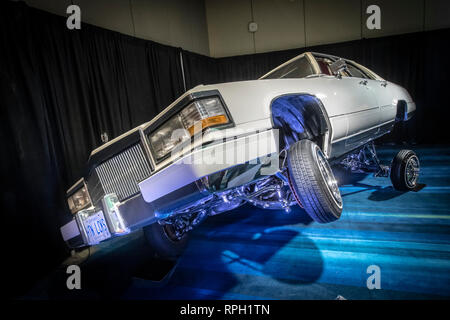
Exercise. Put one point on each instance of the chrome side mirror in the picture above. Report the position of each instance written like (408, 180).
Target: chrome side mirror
(338, 66)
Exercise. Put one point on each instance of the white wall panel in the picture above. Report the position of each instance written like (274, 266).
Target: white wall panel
(332, 21)
(280, 24)
(179, 23)
(228, 27)
(397, 17)
(437, 14)
(114, 15)
(151, 20)
(220, 27)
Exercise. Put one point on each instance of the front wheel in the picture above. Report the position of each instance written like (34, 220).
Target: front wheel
(313, 183)
(164, 241)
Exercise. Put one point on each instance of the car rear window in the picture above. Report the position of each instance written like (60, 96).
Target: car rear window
(299, 68)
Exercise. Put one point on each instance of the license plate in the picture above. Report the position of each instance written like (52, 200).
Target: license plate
(96, 228)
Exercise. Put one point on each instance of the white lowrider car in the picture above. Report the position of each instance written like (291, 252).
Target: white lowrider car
(270, 142)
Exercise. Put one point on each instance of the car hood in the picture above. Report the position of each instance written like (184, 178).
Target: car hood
(238, 96)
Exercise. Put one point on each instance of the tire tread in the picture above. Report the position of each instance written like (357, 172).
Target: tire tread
(398, 167)
(307, 179)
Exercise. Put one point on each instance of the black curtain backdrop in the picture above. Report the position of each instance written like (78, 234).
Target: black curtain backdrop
(60, 89)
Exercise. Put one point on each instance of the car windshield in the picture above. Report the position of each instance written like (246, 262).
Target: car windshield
(299, 68)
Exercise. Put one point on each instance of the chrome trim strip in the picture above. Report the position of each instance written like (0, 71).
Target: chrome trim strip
(187, 169)
(346, 114)
(147, 150)
(75, 186)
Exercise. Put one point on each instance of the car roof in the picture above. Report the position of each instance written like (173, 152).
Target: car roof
(326, 55)
(323, 55)
(295, 58)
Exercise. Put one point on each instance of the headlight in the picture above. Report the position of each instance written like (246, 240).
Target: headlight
(79, 200)
(195, 117)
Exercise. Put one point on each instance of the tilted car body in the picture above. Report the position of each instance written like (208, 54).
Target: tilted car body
(219, 146)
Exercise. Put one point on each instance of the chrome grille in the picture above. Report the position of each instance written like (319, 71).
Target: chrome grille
(121, 174)
(95, 188)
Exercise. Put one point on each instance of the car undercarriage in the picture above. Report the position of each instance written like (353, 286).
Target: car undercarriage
(273, 192)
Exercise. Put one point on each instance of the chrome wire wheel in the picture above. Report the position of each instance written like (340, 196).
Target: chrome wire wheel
(328, 176)
(313, 183)
(405, 168)
(412, 171)
(164, 241)
(173, 233)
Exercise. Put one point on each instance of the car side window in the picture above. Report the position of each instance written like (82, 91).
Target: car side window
(299, 68)
(324, 65)
(356, 72)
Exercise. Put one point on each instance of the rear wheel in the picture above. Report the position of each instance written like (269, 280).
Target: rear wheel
(313, 183)
(405, 169)
(164, 241)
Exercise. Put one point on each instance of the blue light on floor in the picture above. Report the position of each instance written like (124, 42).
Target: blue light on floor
(267, 254)
(252, 253)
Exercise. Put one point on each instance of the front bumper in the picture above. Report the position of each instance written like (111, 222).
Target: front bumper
(213, 168)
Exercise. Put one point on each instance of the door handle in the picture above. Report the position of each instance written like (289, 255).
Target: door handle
(384, 84)
(363, 82)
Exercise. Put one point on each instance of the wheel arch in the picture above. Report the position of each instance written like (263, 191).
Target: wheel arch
(402, 111)
(301, 116)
